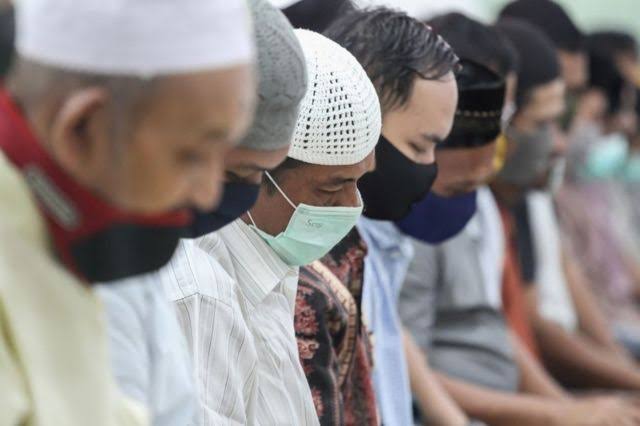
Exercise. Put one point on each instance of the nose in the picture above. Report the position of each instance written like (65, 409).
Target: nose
(428, 156)
(206, 190)
(350, 197)
(254, 178)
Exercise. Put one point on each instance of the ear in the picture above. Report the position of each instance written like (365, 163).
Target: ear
(79, 136)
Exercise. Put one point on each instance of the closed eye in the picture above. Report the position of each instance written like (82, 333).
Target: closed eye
(330, 190)
(190, 157)
(417, 149)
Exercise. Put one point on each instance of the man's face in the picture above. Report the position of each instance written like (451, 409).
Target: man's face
(463, 170)
(415, 128)
(574, 67)
(173, 154)
(544, 106)
(315, 185)
(625, 119)
(629, 67)
(558, 151)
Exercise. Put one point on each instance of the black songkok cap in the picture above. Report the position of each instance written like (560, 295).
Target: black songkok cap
(480, 103)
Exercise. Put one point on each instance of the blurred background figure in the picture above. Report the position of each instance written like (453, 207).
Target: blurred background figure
(553, 20)
(604, 238)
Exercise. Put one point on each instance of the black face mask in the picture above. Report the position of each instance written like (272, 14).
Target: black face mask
(238, 198)
(395, 185)
(92, 238)
(7, 29)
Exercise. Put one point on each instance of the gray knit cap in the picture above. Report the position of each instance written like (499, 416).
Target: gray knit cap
(282, 79)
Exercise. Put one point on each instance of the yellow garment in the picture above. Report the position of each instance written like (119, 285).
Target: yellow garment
(54, 366)
(501, 153)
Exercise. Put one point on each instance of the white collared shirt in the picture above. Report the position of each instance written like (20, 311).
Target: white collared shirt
(235, 300)
(554, 298)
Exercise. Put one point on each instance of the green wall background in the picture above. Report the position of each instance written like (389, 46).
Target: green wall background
(591, 14)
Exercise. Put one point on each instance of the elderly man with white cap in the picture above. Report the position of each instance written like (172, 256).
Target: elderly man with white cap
(235, 289)
(117, 117)
(148, 351)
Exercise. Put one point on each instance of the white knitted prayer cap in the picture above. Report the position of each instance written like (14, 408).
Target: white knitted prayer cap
(339, 120)
(135, 37)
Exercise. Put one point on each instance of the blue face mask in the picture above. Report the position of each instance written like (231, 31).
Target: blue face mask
(436, 219)
(312, 231)
(606, 158)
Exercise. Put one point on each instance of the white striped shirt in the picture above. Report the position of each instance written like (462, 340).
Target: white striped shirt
(235, 301)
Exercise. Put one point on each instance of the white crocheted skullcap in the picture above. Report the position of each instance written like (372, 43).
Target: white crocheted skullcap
(339, 121)
(282, 75)
(142, 38)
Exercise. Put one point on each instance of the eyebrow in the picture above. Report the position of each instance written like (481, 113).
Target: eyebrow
(432, 137)
(216, 133)
(339, 180)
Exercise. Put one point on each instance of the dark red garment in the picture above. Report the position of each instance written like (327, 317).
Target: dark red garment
(513, 297)
(333, 343)
(91, 237)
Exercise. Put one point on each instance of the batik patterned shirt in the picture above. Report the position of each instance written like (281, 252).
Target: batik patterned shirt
(333, 342)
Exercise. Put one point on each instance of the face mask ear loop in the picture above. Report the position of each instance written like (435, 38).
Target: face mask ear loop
(280, 190)
(251, 219)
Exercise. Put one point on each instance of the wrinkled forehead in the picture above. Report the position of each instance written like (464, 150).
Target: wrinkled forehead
(325, 174)
(431, 105)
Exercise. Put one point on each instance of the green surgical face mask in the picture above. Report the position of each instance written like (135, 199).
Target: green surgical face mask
(312, 231)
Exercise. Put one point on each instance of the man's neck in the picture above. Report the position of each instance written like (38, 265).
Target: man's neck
(505, 193)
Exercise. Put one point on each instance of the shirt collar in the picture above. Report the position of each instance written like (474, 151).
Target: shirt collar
(258, 267)
(17, 207)
(382, 234)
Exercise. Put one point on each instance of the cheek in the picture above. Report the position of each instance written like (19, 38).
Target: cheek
(349, 197)
(480, 165)
(154, 179)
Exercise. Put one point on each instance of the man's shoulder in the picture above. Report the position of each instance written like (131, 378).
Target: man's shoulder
(194, 271)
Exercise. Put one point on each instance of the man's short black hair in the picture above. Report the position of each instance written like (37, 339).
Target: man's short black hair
(477, 42)
(603, 72)
(316, 15)
(552, 19)
(615, 42)
(394, 49)
(539, 63)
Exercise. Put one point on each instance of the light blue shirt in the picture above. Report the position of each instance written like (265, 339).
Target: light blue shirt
(149, 354)
(386, 265)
